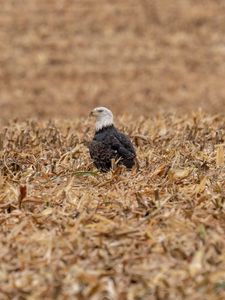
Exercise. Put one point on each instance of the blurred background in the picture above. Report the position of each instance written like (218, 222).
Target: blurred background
(59, 59)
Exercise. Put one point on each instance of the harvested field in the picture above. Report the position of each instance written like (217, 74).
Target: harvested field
(70, 232)
(156, 232)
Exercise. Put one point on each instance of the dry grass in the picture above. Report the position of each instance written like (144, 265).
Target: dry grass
(156, 232)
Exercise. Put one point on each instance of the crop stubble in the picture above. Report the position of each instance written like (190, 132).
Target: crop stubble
(155, 232)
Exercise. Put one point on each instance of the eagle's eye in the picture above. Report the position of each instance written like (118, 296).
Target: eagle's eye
(100, 110)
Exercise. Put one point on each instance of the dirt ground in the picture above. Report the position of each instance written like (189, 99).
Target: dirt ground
(62, 58)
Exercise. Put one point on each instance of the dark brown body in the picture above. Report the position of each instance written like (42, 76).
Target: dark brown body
(107, 144)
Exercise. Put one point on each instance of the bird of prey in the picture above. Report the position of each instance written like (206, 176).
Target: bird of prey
(108, 143)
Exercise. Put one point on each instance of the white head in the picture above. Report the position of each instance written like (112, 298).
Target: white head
(104, 117)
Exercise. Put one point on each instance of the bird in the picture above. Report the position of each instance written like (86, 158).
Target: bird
(108, 143)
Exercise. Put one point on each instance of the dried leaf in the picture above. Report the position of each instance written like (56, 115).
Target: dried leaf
(178, 173)
(22, 194)
(196, 264)
(201, 186)
(220, 156)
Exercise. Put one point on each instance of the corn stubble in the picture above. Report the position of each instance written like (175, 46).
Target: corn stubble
(156, 232)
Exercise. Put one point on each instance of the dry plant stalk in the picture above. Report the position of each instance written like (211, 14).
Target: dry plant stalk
(220, 155)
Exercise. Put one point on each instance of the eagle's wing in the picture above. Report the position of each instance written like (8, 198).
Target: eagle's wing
(114, 146)
(123, 146)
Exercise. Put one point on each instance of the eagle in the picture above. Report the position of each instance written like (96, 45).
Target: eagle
(108, 143)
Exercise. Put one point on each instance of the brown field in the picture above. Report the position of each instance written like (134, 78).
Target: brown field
(153, 233)
(61, 58)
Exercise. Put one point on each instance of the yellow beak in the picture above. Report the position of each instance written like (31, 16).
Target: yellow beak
(92, 113)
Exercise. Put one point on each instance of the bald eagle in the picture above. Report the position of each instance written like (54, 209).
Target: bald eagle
(108, 143)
